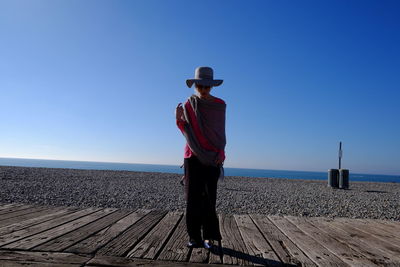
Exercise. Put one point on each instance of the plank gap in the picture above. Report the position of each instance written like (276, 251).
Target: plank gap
(168, 237)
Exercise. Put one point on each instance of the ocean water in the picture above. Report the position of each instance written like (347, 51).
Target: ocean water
(176, 169)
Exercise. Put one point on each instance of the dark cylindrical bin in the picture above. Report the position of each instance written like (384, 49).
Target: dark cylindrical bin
(343, 179)
(333, 178)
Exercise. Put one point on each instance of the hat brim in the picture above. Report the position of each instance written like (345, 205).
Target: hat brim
(190, 82)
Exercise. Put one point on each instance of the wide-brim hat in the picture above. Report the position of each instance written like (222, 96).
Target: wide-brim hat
(204, 76)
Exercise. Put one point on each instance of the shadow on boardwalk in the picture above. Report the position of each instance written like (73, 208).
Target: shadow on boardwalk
(246, 257)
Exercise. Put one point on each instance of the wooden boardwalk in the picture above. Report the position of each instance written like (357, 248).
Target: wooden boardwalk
(32, 235)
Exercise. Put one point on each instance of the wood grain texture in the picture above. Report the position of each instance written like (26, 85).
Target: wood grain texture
(150, 246)
(341, 250)
(17, 213)
(32, 236)
(6, 263)
(288, 252)
(14, 208)
(233, 248)
(28, 231)
(4, 206)
(260, 251)
(199, 255)
(98, 240)
(101, 260)
(314, 250)
(68, 239)
(369, 250)
(20, 222)
(385, 246)
(176, 249)
(43, 237)
(123, 243)
(377, 229)
(43, 257)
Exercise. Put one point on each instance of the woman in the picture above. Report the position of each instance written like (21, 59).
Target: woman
(202, 121)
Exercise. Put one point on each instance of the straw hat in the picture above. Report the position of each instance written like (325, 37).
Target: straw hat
(204, 76)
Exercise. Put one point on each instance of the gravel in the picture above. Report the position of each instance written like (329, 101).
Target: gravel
(236, 195)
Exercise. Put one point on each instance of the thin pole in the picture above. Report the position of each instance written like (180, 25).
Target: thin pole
(340, 155)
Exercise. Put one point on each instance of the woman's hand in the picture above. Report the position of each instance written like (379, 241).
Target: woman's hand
(219, 161)
(179, 112)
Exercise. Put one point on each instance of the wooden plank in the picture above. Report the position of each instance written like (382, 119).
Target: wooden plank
(123, 243)
(314, 250)
(344, 252)
(16, 214)
(384, 246)
(287, 251)
(62, 242)
(199, 255)
(40, 238)
(35, 264)
(101, 260)
(389, 227)
(372, 229)
(325, 224)
(376, 226)
(26, 232)
(38, 217)
(233, 248)
(93, 243)
(152, 243)
(43, 257)
(176, 249)
(14, 209)
(9, 205)
(261, 253)
(392, 224)
(23, 215)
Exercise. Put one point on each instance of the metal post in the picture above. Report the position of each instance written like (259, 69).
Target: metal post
(340, 155)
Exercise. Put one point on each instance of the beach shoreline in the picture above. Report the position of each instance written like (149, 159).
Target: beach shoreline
(236, 195)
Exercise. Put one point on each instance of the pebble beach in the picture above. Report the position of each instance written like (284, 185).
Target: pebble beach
(236, 195)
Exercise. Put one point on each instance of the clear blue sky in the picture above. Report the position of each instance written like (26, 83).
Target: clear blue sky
(99, 80)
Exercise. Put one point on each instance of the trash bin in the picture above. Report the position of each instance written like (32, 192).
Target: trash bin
(343, 179)
(333, 178)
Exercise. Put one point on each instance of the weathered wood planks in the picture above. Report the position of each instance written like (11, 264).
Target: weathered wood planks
(341, 250)
(17, 214)
(62, 242)
(176, 249)
(233, 248)
(13, 208)
(374, 229)
(364, 248)
(284, 247)
(8, 205)
(261, 253)
(314, 250)
(55, 257)
(385, 247)
(150, 246)
(38, 228)
(101, 260)
(66, 236)
(17, 223)
(123, 243)
(93, 243)
(42, 237)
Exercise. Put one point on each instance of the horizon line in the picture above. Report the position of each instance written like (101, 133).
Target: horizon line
(180, 165)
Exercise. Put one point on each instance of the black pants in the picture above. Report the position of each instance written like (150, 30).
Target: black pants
(201, 200)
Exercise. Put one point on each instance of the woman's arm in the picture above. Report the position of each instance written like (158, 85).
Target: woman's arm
(180, 121)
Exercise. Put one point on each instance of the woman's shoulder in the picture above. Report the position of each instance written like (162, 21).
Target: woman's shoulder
(219, 100)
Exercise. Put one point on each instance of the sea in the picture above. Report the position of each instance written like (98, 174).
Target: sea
(306, 175)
